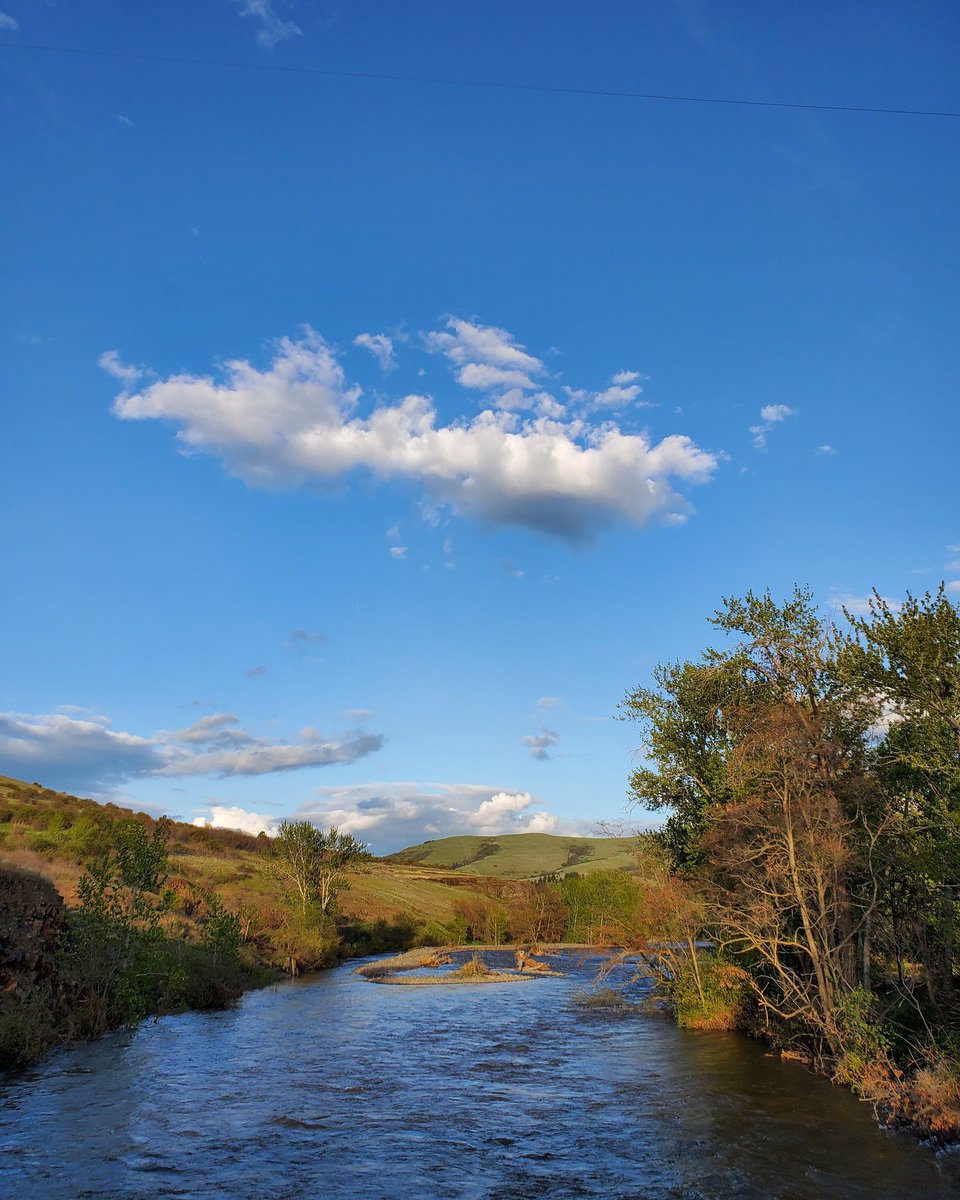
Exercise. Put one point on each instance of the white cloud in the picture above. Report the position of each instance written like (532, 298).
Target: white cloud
(8, 23)
(953, 585)
(297, 422)
(110, 362)
(825, 449)
(231, 817)
(859, 606)
(616, 396)
(82, 753)
(489, 360)
(540, 743)
(258, 756)
(380, 346)
(272, 28)
(398, 552)
(483, 376)
(465, 342)
(394, 815)
(78, 755)
(770, 415)
(125, 121)
(625, 377)
(546, 702)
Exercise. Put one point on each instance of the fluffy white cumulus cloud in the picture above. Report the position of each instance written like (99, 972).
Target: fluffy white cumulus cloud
(298, 421)
(224, 816)
(79, 753)
(392, 815)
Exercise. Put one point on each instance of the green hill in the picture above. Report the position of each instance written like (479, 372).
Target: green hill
(522, 855)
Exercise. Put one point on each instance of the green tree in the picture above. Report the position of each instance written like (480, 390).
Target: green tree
(311, 865)
(906, 662)
(117, 933)
(761, 754)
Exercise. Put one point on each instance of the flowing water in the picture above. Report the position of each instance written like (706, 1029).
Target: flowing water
(337, 1087)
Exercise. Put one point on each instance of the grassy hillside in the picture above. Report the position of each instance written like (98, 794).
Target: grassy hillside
(55, 835)
(522, 855)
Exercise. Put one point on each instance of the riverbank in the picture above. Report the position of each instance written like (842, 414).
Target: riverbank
(62, 983)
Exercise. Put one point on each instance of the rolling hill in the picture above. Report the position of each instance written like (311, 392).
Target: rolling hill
(521, 855)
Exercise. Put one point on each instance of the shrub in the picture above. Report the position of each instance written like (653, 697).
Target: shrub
(26, 1031)
(710, 993)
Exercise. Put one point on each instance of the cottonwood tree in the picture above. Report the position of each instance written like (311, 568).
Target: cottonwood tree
(760, 753)
(311, 865)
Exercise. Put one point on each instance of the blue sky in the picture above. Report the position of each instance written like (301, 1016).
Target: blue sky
(369, 432)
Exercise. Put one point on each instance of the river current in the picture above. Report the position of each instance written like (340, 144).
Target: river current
(334, 1086)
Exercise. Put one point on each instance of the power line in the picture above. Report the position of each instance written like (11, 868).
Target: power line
(489, 84)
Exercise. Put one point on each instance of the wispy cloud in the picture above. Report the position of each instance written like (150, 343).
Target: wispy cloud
(298, 421)
(271, 27)
(547, 702)
(380, 346)
(128, 375)
(8, 24)
(83, 753)
(305, 639)
(770, 415)
(255, 672)
(826, 449)
(859, 605)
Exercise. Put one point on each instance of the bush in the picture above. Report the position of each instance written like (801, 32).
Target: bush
(40, 843)
(710, 993)
(26, 1031)
(865, 1045)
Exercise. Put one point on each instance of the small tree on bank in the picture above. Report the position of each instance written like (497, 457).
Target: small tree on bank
(311, 866)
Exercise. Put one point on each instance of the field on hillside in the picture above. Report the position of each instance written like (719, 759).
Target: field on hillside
(523, 855)
(55, 835)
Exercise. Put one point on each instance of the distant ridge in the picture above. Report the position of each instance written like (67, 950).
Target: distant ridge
(522, 855)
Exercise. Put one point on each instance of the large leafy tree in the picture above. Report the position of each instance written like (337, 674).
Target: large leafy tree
(759, 754)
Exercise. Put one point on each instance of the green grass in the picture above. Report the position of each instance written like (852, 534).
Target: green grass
(522, 855)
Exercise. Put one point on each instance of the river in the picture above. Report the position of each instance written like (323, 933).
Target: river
(334, 1086)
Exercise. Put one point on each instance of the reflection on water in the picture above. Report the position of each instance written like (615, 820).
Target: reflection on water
(336, 1087)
